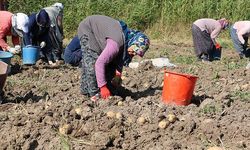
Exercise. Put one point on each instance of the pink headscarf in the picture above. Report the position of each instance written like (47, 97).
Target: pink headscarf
(224, 23)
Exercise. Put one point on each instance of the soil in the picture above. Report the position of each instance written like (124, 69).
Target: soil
(43, 107)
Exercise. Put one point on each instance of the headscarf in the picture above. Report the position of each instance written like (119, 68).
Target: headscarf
(20, 23)
(59, 5)
(42, 18)
(140, 43)
(224, 23)
(133, 38)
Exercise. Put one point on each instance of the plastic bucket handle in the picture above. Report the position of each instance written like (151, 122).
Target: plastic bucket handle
(32, 46)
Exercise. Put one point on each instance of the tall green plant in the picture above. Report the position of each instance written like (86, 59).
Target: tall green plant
(141, 14)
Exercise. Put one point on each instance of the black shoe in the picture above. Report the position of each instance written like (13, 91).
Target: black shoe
(247, 53)
(1, 96)
(204, 58)
(241, 55)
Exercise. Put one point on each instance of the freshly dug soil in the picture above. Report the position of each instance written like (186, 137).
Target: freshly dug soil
(43, 107)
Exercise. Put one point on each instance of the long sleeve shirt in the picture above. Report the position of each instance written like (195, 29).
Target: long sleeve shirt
(213, 27)
(108, 54)
(5, 29)
(73, 52)
(105, 36)
(35, 33)
(242, 29)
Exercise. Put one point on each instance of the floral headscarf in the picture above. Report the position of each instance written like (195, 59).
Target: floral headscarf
(135, 38)
(140, 43)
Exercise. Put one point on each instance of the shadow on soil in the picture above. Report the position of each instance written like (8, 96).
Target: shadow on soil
(123, 92)
(198, 99)
(30, 96)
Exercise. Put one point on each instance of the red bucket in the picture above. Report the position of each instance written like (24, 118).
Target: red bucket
(178, 88)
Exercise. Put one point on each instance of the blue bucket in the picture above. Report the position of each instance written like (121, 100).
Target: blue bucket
(30, 54)
(5, 57)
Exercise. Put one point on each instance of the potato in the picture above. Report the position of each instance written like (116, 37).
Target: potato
(146, 85)
(215, 148)
(123, 77)
(120, 103)
(130, 120)
(65, 129)
(111, 114)
(141, 120)
(36, 72)
(163, 124)
(171, 118)
(78, 111)
(118, 115)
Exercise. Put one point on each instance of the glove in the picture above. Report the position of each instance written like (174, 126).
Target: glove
(12, 50)
(51, 63)
(15, 50)
(217, 46)
(18, 49)
(105, 93)
(117, 81)
(42, 44)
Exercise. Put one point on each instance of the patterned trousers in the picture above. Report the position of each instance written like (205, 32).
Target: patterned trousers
(88, 78)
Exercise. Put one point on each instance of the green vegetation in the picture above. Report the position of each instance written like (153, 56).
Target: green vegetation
(64, 143)
(182, 59)
(232, 64)
(216, 75)
(209, 109)
(155, 16)
(242, 95)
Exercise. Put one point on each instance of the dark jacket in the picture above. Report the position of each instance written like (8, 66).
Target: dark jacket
(36, 34)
